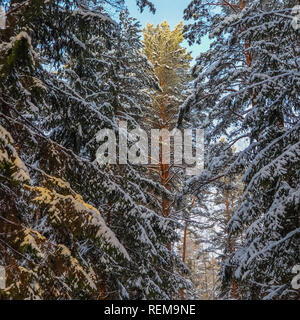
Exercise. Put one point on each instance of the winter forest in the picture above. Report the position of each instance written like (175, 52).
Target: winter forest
(75, 228)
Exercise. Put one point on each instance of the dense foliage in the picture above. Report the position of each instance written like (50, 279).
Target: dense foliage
(85, 230)
(74, 227)
(247, 86)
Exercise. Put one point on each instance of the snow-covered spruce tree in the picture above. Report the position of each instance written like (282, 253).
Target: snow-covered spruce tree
(248, 85)
(89, 80)
(54, 245)
(50, 236)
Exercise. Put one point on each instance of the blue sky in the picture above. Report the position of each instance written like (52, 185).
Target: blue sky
(169, 10)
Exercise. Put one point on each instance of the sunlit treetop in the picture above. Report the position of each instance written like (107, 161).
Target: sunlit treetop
(163, 48)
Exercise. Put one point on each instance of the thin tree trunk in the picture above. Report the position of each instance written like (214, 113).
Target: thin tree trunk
(230, 242)
(184, 245)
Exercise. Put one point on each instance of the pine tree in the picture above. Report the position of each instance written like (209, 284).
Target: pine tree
(170, 60)
(163, 48)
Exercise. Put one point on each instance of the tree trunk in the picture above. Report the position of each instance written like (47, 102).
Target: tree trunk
(230, 242)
